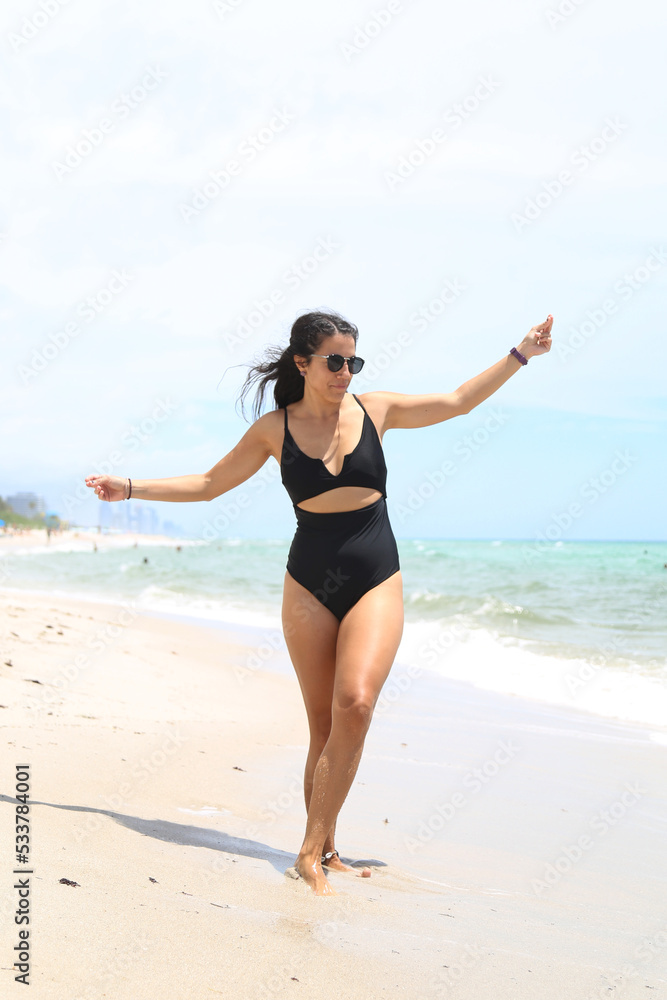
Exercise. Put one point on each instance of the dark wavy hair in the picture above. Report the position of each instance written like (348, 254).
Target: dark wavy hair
(278, 365)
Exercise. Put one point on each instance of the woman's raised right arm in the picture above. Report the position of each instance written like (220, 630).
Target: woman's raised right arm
(242, 462)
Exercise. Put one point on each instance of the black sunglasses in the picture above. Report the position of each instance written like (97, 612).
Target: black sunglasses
(336, 361)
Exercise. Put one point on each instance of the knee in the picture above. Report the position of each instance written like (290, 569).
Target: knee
(354, 709)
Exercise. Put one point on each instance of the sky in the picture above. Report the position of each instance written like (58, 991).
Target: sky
(180, 182)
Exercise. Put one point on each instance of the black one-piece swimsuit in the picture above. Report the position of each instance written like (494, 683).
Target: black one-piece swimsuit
(339, 556)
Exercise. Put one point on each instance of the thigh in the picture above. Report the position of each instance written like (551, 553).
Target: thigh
(368, 639)
(311, 632)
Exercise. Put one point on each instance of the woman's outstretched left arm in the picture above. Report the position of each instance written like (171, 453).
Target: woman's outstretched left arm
(408, 410)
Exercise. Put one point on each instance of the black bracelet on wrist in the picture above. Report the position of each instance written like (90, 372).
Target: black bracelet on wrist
(130, 490)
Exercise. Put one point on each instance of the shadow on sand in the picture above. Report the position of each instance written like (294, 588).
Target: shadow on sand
(192, 836)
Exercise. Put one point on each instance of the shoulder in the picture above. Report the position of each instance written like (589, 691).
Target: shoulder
(378, 396)
(378, 401)
(269, 429)
(378, 405)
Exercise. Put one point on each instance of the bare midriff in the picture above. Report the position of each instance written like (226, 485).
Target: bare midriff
(343, 498)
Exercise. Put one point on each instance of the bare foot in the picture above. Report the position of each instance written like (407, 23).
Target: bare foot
(312, 874)
(337, 865)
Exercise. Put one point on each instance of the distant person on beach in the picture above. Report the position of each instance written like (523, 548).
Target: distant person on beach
(343, 593)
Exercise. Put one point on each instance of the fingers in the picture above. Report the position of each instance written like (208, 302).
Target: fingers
(96, 483)
(543, 333)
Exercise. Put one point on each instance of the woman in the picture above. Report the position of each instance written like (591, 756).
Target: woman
(343, 598)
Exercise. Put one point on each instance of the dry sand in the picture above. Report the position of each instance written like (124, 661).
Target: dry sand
(83, 539)
(165, 782)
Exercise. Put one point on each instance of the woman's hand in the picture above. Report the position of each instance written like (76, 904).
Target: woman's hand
(538, 340)
(108, 487)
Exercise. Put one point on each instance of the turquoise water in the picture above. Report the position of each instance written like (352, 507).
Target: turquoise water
(602, 603)
(566, 597)
(571, 598)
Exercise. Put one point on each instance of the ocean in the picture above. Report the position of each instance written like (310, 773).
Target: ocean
(581, 624)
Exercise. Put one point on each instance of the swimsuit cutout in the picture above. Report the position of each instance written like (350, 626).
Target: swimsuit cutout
(341, 555)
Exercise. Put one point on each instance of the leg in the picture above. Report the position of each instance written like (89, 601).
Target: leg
(368, 637)
(311, 633)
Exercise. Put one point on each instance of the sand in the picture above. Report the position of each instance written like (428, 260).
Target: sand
(165, 782)
(13, 541)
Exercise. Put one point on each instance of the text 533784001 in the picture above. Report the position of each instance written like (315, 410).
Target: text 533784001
(22, 885)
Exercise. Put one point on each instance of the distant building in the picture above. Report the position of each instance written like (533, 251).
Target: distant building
(27, 504)
(173, 530)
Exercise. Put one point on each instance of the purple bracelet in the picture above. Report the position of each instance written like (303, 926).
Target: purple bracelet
(519, 356)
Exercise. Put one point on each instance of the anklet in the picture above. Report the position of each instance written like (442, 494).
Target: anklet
(326, 857)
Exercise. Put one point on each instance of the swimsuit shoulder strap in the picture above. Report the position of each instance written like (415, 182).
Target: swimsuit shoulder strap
(370, 421)
(360, 404)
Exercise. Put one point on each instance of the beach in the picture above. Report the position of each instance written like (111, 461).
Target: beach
(75, 539)
(516, 847)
